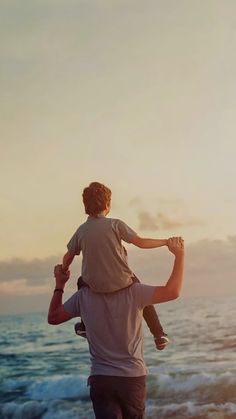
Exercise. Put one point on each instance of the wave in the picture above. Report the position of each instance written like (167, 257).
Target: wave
(55, 410)
(27, 410)
(58, 397)
(179, 395)
(55, 388)
(49, 410)
(202, 387)
(67, 387)
(192, 410)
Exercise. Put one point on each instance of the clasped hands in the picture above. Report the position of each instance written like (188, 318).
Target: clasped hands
(175, 245)
(61, 277)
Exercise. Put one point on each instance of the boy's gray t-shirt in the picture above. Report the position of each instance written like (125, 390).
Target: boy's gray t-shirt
(104, 263)
(114, 328)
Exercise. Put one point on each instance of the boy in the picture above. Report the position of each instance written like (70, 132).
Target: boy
(104, 264)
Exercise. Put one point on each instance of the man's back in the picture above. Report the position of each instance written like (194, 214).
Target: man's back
(114, 328)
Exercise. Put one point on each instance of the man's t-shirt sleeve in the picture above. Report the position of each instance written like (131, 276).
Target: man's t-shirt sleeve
(144, 294)
(125, 232)
(73, 245)
(72, 305)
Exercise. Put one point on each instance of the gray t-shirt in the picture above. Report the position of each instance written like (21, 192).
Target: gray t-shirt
(104, 263)
(114, 328)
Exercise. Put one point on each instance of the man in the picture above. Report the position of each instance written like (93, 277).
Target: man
(118, 371)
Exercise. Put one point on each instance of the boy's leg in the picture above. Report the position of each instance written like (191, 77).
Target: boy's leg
(154, 325)
(152, 320)
(79, 327)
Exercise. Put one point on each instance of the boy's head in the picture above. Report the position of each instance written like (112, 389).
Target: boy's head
(96, 199)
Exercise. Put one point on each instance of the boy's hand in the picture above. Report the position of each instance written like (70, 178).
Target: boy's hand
(61, 277)
(176, 245)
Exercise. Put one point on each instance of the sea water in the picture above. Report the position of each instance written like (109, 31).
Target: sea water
(44, 368)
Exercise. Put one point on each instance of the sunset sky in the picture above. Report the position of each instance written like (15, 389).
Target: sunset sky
(139, 95)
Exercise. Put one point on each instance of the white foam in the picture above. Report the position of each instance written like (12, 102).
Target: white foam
(59, 388)
(203, 382)
(47, 410)
(28, 410)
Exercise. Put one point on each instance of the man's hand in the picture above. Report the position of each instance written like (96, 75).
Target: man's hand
(176, 245)
(61, 277)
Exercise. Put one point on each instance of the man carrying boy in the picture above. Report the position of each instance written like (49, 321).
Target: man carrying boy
(104, 259)
(118, 371)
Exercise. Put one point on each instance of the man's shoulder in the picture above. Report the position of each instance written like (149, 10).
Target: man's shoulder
(138, 289)
(136, 294)
(143, 293)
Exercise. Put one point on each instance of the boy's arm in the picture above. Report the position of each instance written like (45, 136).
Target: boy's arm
(66, 261)
(144, 243)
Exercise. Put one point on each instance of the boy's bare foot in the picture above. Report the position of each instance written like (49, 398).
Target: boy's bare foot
(80, 330)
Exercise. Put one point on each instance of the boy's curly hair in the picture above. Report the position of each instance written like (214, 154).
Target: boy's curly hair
(95, 198)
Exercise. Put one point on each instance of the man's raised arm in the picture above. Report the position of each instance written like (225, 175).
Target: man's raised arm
(56, 313)
(172, 289)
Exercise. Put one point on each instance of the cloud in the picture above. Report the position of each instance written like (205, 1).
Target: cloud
(34, 271)
(20, 277)
(164, 222)
(167, 223)
(147, 221)
(31, 279)
(173, 213)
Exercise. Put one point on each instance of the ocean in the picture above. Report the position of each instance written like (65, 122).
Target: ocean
(44, 368)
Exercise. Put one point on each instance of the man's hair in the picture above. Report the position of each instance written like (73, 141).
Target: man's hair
(95, 198)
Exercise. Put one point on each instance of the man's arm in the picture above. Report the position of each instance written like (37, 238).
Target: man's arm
(144, 243)
(56, 313)
(172, 289)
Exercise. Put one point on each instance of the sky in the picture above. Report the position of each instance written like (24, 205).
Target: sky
(139, 95)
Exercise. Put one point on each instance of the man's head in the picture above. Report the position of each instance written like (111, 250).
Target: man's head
(96, 199)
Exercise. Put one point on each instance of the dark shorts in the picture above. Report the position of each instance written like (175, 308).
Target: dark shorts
(118, 397)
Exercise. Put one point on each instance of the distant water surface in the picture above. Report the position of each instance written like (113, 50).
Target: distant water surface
(44, 369)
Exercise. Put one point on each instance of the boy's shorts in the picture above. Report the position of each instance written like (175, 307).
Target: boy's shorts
(81, 283)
